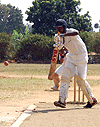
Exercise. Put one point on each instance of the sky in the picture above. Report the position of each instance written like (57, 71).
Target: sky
(93, 6)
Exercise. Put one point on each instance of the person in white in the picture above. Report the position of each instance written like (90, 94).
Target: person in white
(56, 77)
(76, 58)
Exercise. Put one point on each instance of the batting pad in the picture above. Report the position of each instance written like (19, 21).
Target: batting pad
(85, 87)
(66, 77)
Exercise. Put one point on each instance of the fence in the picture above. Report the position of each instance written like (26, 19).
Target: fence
(94, 59)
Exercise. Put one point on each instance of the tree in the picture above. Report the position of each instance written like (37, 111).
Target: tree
(96, 25)
(10, 19)
(82, 22)
(3, 17)
(43, 15)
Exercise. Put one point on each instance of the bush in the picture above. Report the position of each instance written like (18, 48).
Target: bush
(36, 47)
(4, 45)
(96, 46)
(92, 41)
(39, 47)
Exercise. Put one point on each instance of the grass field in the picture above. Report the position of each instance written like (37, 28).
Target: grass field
(40, 69)
(18, 86)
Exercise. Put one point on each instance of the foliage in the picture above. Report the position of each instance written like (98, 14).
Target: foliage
(83, 22)
(89, 39)
(92, 41)
(97, 43)
(36, 47)
(39, 47)
(4, 45)
(11, 19)
(96, 25)
(16, 38)
(43, 15)
(3, 17)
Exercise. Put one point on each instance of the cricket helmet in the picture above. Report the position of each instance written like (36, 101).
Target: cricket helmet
(61, 23)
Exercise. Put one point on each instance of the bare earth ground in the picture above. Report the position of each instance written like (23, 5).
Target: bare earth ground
(47, 115)
(8, 114)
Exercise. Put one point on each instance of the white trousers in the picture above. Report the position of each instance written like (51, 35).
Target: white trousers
(60, 71)
(67, 75)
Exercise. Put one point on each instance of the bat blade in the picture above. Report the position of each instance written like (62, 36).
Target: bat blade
(53, 63)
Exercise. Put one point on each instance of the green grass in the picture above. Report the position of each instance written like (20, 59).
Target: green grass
(25, 69)
(23, 87)
(40, 69)
(93, 70)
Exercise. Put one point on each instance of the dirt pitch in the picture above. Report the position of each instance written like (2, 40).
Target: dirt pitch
(47, 115)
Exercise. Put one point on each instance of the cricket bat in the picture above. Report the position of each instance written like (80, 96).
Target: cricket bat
(53, 62)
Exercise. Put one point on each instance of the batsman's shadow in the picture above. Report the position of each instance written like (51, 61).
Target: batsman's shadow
(56, 110)
(50, 90)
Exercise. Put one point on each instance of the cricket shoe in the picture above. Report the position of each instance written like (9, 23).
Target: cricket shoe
(55, 88)
(60, 104)
(91, 105)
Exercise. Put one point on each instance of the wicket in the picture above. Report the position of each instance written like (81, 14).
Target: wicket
(80, 99)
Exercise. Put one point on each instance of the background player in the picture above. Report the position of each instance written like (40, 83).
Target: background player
(59, 70)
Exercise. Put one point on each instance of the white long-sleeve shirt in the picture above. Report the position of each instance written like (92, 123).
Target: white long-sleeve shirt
(76, 47)
(74, 43)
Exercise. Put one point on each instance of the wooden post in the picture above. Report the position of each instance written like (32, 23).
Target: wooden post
(78, 93)
(74, 88)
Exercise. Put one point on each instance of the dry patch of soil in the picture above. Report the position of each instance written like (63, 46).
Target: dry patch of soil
(8, 114)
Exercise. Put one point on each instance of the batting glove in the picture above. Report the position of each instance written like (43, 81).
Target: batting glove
(58, 45)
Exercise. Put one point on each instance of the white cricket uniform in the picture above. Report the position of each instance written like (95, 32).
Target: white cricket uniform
(76, 58)
(59, 70)
(77, 55)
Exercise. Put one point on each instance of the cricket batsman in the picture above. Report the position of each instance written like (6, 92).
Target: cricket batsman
(77, 57)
